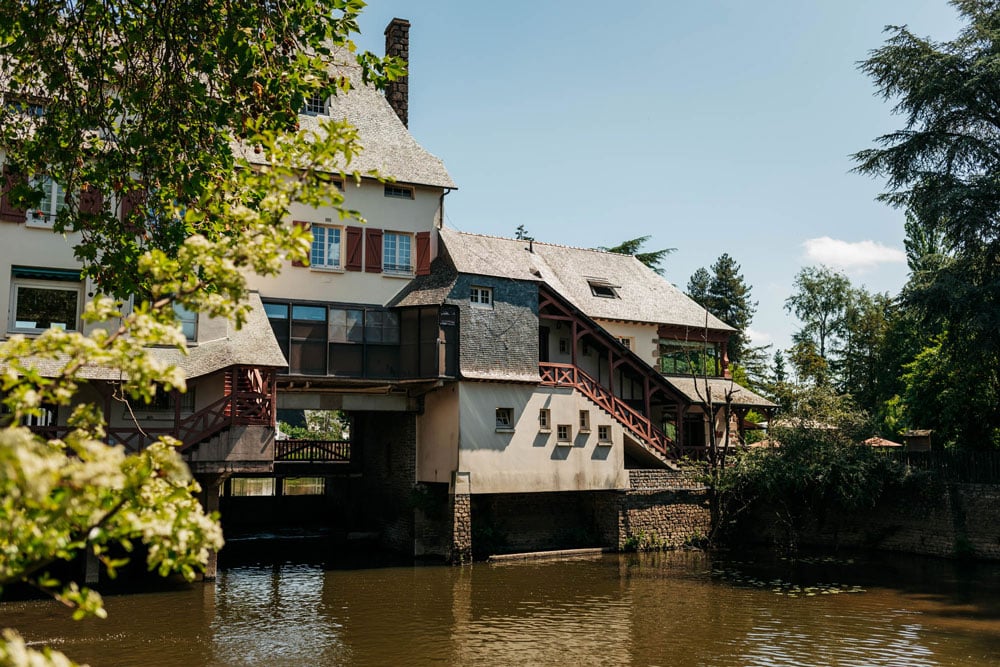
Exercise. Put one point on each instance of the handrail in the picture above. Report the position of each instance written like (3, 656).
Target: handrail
(568, 375)
(313, 451)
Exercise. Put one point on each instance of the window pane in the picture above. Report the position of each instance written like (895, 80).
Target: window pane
(251, 486)
(314, 313)
(276, 311)
(390, 328)
(373, 326)
(303, 486)
(45, 307)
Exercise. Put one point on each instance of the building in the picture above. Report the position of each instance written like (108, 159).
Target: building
(487, 379)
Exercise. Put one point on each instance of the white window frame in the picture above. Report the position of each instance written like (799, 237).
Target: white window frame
(564, 434)
(604, 434)
(602, 289)
(545, 420)
(53, 201)
(481, 297)
(505, 419)
(314, 105)
(188, 319)
(584, 421)
(394, 191)
(627, 341)
(391, 243)
(22, 327)
(322, 235)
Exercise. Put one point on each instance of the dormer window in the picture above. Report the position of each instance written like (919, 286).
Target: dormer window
(315, 105)
(603, 289)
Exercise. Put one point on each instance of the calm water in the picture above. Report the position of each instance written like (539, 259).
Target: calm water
(671, 609)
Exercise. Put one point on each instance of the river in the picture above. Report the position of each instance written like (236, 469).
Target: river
(283, 603)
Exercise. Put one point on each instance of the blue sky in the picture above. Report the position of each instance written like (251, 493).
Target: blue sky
(714, 126)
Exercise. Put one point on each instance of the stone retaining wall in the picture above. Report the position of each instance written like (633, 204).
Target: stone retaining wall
(949, 520)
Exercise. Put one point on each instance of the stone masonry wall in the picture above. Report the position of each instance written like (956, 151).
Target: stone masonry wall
(664, 509)
(951, 520)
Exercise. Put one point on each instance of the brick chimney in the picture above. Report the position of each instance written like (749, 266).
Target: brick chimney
(397, 43)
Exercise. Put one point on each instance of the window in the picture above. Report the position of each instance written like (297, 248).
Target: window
(585, 421)
(26, 108)
(544, 420)
(398, 191)
(563, 433)
(303, 486)
(604, 434)
(481, 297)
(505, 419)
(564, 346)
(251, 486)
(326, 247)
(603, 289)
(627, 341)
(163, 405)
(315, 105)
(53, 201)
(188, 321)
(683, 357)
(396, 253)
(44, 299)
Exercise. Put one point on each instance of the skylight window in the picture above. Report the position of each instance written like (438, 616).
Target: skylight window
(602, 289)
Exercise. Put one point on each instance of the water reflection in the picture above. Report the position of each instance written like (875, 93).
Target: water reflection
(655, 609)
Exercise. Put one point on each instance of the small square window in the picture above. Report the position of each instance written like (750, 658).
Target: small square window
(564, 346)
(481, 297)
(315, 105)
(544, 420)
(505, 419)
(627, 341)
(398, 191)
(604, 434)
(585, 420)
(44, 299)
(564, 433)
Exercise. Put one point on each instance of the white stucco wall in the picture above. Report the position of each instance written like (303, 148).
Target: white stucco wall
(644, 337)
(527, 459)
(437, 435)
(419, 214)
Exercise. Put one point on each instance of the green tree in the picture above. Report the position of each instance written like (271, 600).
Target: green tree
(697, 287)
(943, 168)
(653, 258)
(175, 108)
(860, 367)
(820, 302)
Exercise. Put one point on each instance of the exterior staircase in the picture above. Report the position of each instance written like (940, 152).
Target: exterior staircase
(643, 428)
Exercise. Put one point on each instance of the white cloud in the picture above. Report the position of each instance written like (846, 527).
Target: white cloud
(844, 255)
(759, 337)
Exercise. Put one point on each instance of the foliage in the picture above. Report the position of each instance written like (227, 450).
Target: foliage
(819, 467)
(188, 112)
(319, 425)
(521, 234)
(725, 294)
(820, 302)
(653, 258)
(942, 167)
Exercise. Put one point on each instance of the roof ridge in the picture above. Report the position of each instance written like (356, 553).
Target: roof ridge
(554, 245)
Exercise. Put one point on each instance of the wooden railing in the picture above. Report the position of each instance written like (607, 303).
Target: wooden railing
(567, 375)
(313, 451)
(243, 408)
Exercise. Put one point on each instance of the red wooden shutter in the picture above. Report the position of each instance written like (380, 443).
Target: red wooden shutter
(8, 211)
(373, 250)
(423, 253)
(91, 201)
(305, 225)
(127, 213)
(353, 262)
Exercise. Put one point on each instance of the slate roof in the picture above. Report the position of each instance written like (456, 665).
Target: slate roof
(253, 345)
(694, 390)
(643, 295)
(429, 290)
(388, 145)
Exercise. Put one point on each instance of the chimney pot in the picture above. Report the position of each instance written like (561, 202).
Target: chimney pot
(397, 44)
